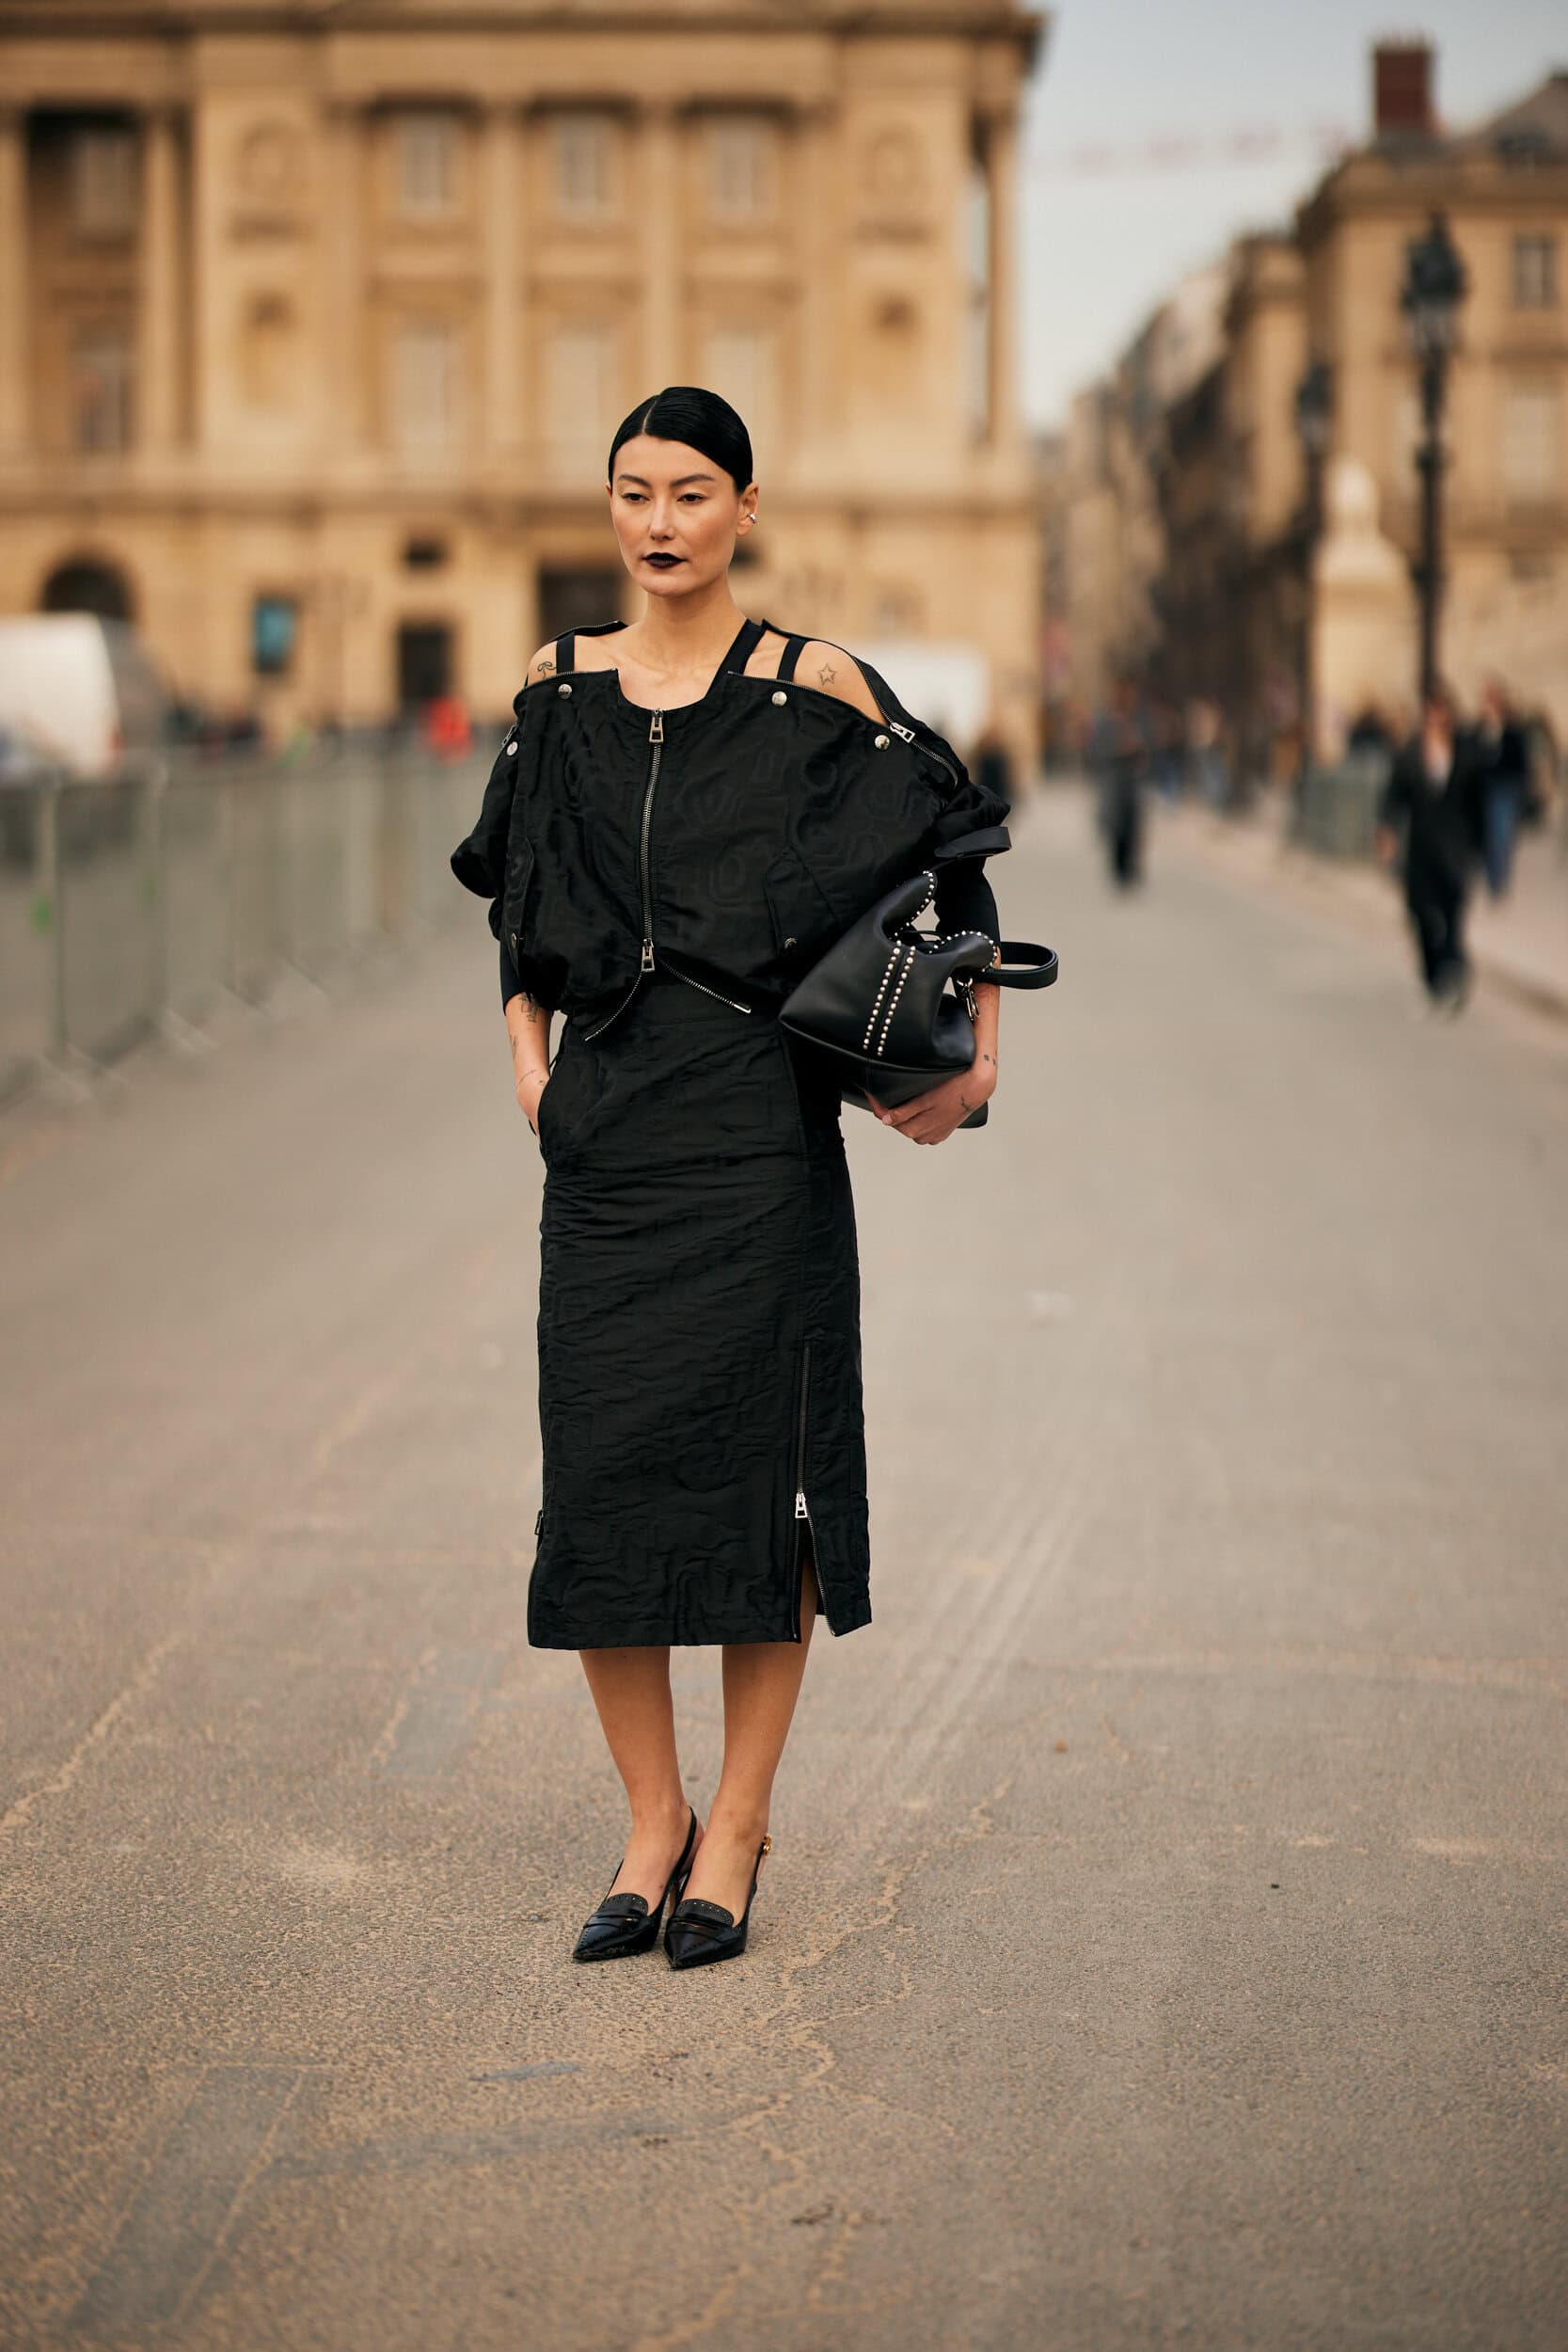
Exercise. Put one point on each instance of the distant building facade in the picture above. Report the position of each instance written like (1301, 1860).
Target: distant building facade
(314, 326)
(1252, 594)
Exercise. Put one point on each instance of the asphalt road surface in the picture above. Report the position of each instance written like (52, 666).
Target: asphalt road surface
(1164, 1941)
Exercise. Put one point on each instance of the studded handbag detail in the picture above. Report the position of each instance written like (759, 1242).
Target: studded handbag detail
(894, 1006)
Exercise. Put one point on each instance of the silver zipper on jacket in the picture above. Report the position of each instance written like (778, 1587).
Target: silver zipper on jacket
(655, 737)
(646, 962)
(734, 1002)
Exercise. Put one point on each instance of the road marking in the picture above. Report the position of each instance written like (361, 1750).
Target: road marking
(178, 2221)
(94, 1737)
(438, 1713)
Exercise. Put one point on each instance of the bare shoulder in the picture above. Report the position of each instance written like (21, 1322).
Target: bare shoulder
(835, 672)
(540, 664)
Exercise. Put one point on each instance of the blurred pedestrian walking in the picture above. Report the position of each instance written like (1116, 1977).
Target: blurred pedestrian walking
(1506, 745)
(1121, 761)
(1207, 752)
(1432, 814)
(991, 762)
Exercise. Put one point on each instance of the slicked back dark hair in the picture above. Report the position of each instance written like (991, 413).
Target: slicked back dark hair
(684, 412)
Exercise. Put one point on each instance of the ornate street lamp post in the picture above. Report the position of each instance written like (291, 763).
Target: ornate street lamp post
(1314, 430)
(1435, 286)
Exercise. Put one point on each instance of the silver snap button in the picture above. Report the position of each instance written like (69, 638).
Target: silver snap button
(564, 689)
(780, 698)
(791, 943)
(882, 742)
(510, 750)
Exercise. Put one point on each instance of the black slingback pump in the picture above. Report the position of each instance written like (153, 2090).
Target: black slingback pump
(701, 1933)
(625, 1924)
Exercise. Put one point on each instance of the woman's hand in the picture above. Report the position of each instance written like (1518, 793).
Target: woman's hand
(932, 1116)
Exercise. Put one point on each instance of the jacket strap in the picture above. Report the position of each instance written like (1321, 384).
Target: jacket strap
(566, 653)
(748, 637)
(793, 649)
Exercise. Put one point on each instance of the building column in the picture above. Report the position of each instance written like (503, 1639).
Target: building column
(159, 273)
(504, 132)
(659, 186)
(15, 321)
(1002, 269)
(815, 134)
(344, 343)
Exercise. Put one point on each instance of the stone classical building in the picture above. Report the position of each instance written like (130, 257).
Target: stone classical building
(315, 322)
(1106, 539)
(1251, 586)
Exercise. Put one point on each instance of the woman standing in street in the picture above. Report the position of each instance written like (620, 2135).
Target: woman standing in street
(688, 812)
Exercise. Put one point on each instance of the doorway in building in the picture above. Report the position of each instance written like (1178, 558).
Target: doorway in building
(576, 598)
(424, 663)
(86, 586)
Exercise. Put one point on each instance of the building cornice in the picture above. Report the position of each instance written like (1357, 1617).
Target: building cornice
(1372, 186)
(988, 20)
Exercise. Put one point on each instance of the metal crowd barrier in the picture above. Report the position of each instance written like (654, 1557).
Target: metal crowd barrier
(133, 904)
(1335, 809)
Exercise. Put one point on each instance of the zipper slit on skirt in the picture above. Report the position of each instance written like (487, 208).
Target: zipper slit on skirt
(802, 1509)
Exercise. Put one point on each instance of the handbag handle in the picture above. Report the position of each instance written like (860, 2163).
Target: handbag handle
(1023, 965)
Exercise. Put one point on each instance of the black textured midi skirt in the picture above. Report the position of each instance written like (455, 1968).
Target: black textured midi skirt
(699, 1335)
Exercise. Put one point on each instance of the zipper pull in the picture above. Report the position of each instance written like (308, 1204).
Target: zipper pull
(656, 727)
(800, 1511)
(908, 732)
(647, 955)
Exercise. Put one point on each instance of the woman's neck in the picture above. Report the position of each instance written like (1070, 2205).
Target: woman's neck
(688, 634)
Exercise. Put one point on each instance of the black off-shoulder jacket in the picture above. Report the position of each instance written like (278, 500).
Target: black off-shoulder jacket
(731, 839)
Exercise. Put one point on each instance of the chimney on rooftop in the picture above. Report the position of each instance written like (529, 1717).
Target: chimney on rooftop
(1402, 89)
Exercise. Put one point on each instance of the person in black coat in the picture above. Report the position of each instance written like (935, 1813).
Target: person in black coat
(686, 813)
(1432, 814)
(1121, 760)
(1508, 783)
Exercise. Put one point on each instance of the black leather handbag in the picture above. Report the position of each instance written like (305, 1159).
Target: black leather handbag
(878, 1002)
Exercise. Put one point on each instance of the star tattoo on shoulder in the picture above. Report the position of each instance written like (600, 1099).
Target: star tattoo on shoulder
(827, 674)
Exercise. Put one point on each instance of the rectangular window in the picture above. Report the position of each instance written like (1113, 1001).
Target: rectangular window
(1532, 442)
(740, 361)
(103, 183)
(580, 390)
(742, 170)
(1534, 273)
(427, 389)
(102, 375)
(427, 167)
(273, 624)
(585, 166)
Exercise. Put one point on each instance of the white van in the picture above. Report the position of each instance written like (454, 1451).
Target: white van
(84, 691)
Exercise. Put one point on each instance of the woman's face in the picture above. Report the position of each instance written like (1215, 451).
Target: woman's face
(677, 514)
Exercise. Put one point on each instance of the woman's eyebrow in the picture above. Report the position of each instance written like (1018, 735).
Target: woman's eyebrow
(642, 482)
